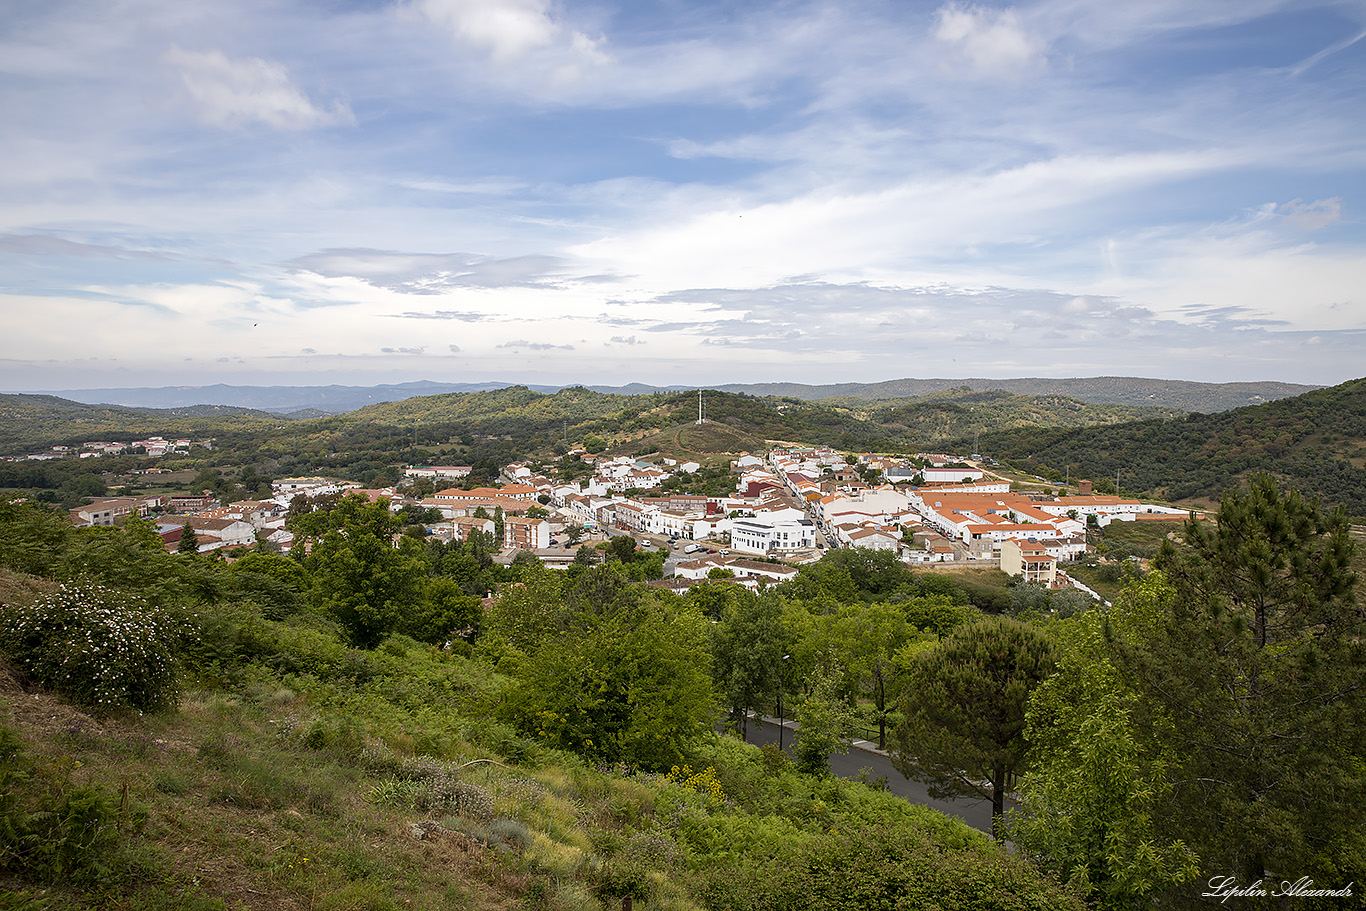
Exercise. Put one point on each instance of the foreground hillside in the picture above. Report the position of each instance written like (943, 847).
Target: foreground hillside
(1315, 442)
(294, 755)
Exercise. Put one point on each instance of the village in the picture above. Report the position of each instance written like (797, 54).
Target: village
(788, 507)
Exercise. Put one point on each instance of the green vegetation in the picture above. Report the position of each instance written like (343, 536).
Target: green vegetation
(102, 648)
(1215, 719)
(408, 775)
(960, 413)
(964, 711)
(1315, 442)
(354, 706)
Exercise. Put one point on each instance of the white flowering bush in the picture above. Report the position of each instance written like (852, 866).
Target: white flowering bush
(105, 649)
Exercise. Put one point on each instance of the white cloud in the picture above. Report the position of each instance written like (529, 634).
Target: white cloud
(1311, 216)
(234, 93)
(505, 29)
(993, 41)
(511, 31)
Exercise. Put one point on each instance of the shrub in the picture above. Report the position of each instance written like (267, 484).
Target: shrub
(53, 831)
(104, 649)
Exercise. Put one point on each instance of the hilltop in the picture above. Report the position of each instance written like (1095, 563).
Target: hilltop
(956, 413)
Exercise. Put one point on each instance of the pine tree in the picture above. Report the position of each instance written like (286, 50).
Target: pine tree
(189, 541)
(963, 711)
(1255, 679)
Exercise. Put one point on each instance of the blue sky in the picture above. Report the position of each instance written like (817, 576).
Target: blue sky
(317, 191)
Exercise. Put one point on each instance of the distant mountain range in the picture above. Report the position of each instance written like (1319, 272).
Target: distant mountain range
(1182, 395)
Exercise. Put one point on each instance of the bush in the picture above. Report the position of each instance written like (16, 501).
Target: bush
(104, 649)
(52, 831)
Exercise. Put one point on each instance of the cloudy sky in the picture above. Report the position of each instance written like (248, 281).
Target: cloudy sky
(676, 191)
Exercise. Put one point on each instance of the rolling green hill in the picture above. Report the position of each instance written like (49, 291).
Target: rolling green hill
(1180, 395)
(40, 421)
(1315, 442)
(961, 412)
(535, 420)
(693, 441)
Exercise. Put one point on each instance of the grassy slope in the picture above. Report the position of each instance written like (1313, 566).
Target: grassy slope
(693, 441)
(300, 774)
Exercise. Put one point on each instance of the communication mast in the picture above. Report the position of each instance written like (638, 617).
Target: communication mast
(701, 412)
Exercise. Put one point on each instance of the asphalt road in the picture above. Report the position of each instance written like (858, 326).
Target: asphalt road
(976, 813)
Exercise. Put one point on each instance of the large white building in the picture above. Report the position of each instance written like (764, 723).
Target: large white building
(765, 533)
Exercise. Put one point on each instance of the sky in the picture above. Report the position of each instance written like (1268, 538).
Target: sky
(679, 192)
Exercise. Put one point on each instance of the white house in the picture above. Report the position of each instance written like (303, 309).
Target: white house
(769, 532)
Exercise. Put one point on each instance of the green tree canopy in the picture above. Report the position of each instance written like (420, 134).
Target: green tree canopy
(626, 679)
(189, 541)
(748, 645)
(1097, 782)
(1255, 677)
(358, 576)
(963, 708)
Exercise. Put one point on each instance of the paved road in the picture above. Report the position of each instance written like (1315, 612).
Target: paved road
(976, 813)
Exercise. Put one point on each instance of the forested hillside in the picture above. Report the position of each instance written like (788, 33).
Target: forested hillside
(1181, 395)
(39, 421)
(1315, 442)
(957, 413)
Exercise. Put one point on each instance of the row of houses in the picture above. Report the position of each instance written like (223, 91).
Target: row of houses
(154, 447)
(961, 516)
(113, 510)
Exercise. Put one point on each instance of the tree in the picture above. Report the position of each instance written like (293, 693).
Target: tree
(1029, 599)
(444, 612)
(359, 577)
(1096, 783)
(1254, 677)
(827, 723)
(866, 638)
(189, 541)
(963, 709)
(621, 548)
(747, 647)
(573, 532)
(626, 679)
